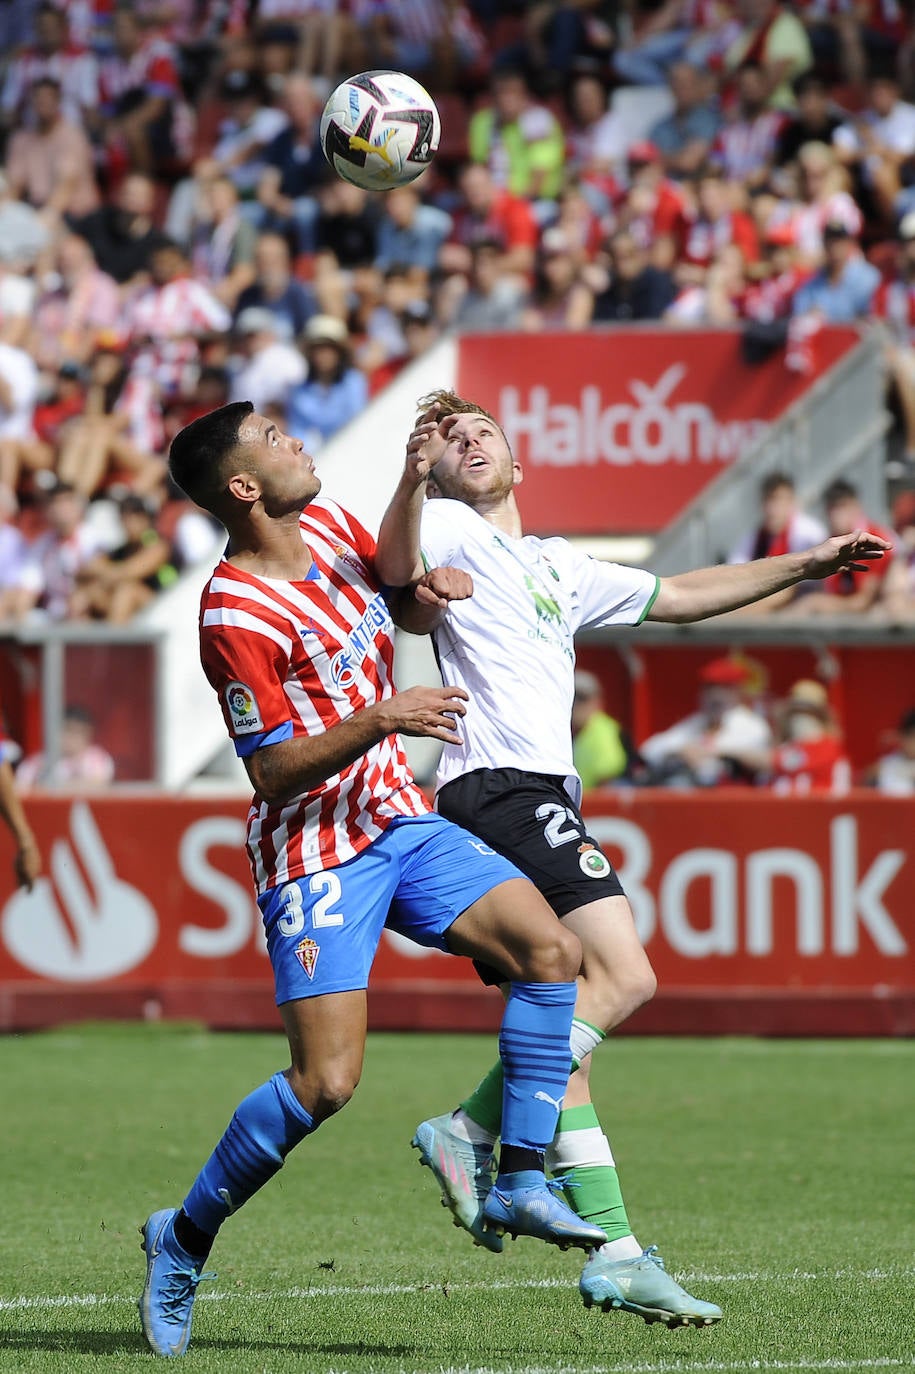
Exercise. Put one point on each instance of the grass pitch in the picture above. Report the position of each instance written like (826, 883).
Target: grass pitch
(777, 1178)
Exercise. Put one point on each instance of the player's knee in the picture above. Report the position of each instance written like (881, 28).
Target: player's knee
(556, 958)
(632, 988)
(326, 1091)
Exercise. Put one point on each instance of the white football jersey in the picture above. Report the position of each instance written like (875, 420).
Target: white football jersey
(511, 644)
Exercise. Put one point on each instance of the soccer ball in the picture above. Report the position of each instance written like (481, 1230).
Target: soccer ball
(380, 130)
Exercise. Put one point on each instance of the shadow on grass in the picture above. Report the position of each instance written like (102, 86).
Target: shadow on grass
(133, 1343)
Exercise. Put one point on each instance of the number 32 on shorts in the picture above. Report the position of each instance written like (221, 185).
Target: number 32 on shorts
(325, 887)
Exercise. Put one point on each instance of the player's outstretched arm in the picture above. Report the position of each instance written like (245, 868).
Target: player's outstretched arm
(27, 863)
(281, 771)
(712, 591)
(398, 555)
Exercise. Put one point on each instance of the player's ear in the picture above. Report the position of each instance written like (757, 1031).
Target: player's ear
(517, 473)
(244, 487)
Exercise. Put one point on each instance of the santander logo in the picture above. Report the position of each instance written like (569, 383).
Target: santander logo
(651, 428)
(83, 922)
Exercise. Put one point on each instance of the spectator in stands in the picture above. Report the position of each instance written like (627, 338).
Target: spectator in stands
(167, 321)
(247, 131)
(783, 527)
(655, 209)
(276, 289)
(123, 234)
(704, 749)
(598, 748)
(848, 592)
(893, 306)
(769, 298)
(715, 225)
(894, 773)
(346, 230)
(559, 298)
(685, 137)
(146, 126)
(222, 246)
(49, 162)
(855, 37)
(410, 233)
(81, 764)
(334, 392)
(107, 437)
(561, 34)
(879, 145)
(809, 755)
(490, 298)
(814, 121)
(774, 39)
(53, 55)
(270, 365)
(14, 554)
(435, 36)
(19, 383)
(78, 302)
(114, 586)
(487, 212)
(518, 139)
(676, 29)
(22, 458)
(747, 142)
(635, 289)
(597, 139)
(294, 167)
(717, 297)
(49, 578)
(580, 225)
(23, 233)
(825, 199)
(897, 604)
(839, 293)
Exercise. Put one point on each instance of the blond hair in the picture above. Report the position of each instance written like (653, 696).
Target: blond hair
(444, 403)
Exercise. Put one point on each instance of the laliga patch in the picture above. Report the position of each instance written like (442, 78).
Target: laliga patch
(307, 951)
(592, 862)
(244, 711)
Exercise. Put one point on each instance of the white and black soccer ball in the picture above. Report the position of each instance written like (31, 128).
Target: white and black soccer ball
(380, 130)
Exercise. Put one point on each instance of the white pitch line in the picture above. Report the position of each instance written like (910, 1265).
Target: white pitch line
(684, 1367)
(380, 1290)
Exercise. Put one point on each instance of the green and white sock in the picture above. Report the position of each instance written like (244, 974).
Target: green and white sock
(583, 1038)
(581, 1154)
(480, 1114)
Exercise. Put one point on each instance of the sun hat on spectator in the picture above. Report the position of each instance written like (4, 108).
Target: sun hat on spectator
(256, 319)
(724, 672)
(327, 329)
(906, 230)
(809, 698)
(644, 151)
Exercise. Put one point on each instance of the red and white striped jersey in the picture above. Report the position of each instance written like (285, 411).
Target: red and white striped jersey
(291, 659)
(747, 146)
(74, 68)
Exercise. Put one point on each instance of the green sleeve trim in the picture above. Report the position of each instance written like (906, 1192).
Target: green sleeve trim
(428, 566)
(651, 600)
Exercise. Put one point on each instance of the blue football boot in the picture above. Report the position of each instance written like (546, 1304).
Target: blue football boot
(172, 1275)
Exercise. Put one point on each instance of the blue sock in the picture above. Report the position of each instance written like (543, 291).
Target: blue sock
(536, 1059)
(265, 1127)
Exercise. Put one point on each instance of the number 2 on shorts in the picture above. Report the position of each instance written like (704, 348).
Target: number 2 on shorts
(292, 922)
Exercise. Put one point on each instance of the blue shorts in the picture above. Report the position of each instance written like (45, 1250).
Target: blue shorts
(417, 878)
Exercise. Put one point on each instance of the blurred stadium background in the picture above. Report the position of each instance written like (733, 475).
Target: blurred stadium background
(669, 247)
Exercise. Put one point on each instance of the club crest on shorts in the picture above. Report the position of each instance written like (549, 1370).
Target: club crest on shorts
(592, 862)
(307, 951)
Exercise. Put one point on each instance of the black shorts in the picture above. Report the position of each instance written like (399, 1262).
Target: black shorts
(531, 820)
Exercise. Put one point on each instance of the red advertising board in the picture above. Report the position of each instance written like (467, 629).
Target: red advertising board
(618, 430)
(758, 914)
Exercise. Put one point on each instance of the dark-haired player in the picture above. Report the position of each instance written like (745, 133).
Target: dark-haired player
(296, 639)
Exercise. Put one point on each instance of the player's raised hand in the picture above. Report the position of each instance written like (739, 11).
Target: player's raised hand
(853, 551)
(427, 443)
(441, 585)
(431, 712)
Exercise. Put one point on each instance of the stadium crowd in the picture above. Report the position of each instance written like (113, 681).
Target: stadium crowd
(171, 236)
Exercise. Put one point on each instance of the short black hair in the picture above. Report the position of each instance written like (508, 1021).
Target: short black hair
(199, 452)
(838, 491)
(774, 482)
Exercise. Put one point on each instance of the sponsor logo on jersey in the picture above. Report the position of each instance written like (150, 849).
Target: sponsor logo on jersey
(307, 951)
(592, 862)
(244, 711)
(345, 664)
(349, 558)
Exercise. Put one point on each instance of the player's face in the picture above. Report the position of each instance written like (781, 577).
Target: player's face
(284, 471)
(477, 466)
